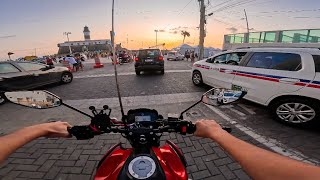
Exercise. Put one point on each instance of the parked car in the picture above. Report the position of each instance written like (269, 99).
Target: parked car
(28, 75)
(174, 55)
(149, 60)
(286, 80)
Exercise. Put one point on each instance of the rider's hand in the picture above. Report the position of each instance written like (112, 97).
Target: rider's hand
(207, 129)
(55, 129)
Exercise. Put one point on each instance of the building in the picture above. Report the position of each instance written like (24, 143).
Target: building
(207, 51)
(279, 38)
(87, 45)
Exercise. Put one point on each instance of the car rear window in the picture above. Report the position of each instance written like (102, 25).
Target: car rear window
(316, 59)
(149, 53)
(277, 61)
(8, 68)
(171, 53)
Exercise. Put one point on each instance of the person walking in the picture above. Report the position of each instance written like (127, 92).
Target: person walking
(192, 56)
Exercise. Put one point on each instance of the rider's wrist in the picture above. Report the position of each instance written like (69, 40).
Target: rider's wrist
(217, 134)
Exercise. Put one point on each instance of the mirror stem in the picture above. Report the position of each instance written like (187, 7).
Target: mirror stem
(76, 110)
(181, 115)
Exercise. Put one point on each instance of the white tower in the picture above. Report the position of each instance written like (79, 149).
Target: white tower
(86, 33)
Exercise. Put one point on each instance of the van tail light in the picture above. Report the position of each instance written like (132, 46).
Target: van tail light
(160, 58)
(136, 59)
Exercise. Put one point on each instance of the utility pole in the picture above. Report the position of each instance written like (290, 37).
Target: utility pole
(156, 36)
(35, 51)
(245, 13)
(202, 32)
(127, 42)
(67, 34)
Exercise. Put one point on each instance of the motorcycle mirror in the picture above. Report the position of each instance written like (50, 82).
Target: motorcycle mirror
(222, 96)
(34, 99)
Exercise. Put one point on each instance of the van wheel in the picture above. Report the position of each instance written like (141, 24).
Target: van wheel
(138, 72)
(197, 78)
(3, 98)
(296, 111)
(162, 71)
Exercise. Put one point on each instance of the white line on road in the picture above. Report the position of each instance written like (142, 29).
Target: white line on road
(250, 111)
(126, 74)
(237, 112)
(269, 142)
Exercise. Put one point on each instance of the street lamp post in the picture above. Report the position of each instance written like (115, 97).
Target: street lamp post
(156, 36)
(67, 34)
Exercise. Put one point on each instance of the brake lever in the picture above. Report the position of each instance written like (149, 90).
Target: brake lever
(228, 129)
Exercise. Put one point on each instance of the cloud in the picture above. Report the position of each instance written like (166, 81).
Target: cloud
(173, 32)
(232, 29)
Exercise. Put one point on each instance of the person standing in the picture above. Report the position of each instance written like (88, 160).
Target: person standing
(192, 56)
(72, 62)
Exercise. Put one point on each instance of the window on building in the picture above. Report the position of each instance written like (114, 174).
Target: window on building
(294, 36)
(239, 38)
(314, 36)
(8, 68)
(254, 37)
(277, 61)
(316, 59)
(269, 37)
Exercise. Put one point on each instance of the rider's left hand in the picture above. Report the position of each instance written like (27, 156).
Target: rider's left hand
(55, 129)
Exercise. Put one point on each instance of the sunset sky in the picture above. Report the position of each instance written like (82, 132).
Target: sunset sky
(40, 23)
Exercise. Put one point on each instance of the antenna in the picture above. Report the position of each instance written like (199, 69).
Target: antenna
(115, 61)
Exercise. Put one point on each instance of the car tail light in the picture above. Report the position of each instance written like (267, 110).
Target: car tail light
(160, 58)
(136, 59)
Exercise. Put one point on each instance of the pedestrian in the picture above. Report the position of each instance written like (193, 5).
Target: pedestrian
(192, 56)
(187, 55)
(196, 56)
(72, 62)
(49, 62)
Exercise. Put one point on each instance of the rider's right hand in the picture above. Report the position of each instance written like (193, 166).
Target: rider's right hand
(208, 129)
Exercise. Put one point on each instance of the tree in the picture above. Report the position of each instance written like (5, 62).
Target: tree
(184, 34)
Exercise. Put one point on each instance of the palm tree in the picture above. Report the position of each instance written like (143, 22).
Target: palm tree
(184, 34)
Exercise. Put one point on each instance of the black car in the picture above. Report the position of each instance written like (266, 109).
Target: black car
(27, 75)
(149, 60)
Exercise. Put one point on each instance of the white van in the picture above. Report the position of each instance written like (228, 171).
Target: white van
(287, 80)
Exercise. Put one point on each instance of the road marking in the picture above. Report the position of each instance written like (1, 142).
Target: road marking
(250, 111)
(237, 112)
(269, 142)
(126, 74)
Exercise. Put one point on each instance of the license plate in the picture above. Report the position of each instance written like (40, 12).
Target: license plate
(148, 60)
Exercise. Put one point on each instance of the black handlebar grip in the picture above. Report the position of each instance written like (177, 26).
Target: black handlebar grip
(191, 128)
(228, 129)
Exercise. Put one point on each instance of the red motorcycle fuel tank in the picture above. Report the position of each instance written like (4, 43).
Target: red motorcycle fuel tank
(169, 157)
(112, 163)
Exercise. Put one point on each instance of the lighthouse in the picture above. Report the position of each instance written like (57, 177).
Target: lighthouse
(86, 33)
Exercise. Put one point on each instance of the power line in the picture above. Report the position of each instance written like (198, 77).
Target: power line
(179, 12)
(232, 5)
(184, 7)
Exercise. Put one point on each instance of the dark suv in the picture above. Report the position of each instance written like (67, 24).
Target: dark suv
(149, 60)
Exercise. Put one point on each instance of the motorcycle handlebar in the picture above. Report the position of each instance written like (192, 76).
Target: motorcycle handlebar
(182, 127)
